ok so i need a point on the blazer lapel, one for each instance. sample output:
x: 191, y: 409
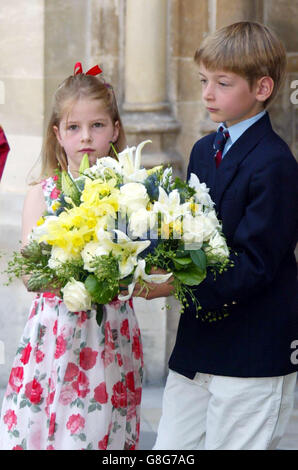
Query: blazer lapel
x: 237, y: 153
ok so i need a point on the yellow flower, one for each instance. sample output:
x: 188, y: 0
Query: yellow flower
x: 56, y: 205
x: 97, y: 190
x: 40, y: 221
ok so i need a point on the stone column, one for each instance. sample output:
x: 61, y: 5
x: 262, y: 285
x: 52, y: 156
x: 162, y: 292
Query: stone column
x: 145, y: 55
x: 147, y: 112
x: 148, y: 115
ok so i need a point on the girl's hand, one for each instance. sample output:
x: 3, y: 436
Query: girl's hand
x: 151, y: 290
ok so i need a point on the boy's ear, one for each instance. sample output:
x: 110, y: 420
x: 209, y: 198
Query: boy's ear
x: 264, y: 88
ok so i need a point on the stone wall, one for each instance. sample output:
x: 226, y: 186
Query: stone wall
x: 159, y: 96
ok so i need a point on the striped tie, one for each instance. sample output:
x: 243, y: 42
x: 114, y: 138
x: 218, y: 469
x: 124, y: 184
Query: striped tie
x: 219, y: 143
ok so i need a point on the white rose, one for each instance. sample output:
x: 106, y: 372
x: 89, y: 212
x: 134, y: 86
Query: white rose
x: 141, y: 221
x: 58, y: 257
x: 133, y: 196
x: 193, y: 230
x: 208, y: 223
x: 76, y: 296
x: 218, y: 246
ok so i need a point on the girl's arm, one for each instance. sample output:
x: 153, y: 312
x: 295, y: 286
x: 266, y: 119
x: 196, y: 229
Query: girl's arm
x: 34, y: 207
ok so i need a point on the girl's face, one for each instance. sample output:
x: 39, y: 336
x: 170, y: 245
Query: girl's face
x: 87, y: 128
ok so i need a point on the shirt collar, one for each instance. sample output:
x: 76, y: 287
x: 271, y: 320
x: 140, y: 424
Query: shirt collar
x: 237, y: 130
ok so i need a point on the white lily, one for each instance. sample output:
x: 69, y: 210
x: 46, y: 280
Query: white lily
x: 140, y: 273
x: 130, y: 163
x: 170, y: 206
x: 127, y: 249
x: 202, y: 192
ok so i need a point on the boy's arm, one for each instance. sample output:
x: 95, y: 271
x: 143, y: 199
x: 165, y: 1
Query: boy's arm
x: 266, y: 232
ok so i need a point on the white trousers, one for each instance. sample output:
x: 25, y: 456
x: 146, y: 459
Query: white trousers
x: 228, y: 413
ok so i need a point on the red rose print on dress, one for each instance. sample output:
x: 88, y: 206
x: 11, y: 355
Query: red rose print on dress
x: 26, y: 354
x: 130, y: 381
x: 119, y: 398
x: 50, y: 298
x: 71, y: 372
x: 82, y: 317
x: 61, y: 344
x: 88, y: 358
x: 103, y: 444
x: 52, y: 424
x: 81, y: 385
x: 75, y: 423
x: 16, y: 378
x: 136, y: 347
x: 39, y: 355
x: 100, y: 393
x: 67, y: 395
x: 34, y: 310
x: 33, y: 391
x: 124, y: 330
x: 55, y: 193
x: 10, y: 418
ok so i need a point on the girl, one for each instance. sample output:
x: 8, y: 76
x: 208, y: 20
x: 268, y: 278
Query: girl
x: 73, y: 384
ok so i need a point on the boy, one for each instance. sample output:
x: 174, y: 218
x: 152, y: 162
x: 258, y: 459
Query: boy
x: 231, y: 382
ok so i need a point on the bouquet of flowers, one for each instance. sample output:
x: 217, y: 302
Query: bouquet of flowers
x: 116, y: 222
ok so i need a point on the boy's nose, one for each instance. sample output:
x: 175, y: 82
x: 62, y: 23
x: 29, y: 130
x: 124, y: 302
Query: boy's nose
x: 208, y: 92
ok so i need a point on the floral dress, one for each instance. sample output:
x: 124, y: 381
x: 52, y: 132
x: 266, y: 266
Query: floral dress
x: 73, y: 384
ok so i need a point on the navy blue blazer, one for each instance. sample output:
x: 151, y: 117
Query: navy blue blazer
x: 255, y: 190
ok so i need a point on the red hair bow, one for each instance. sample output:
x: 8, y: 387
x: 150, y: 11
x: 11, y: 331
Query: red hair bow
x: 93, y: 71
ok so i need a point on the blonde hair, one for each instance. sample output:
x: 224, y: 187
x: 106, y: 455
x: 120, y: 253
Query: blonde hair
x: 69, y: 91
x: 248, y: 49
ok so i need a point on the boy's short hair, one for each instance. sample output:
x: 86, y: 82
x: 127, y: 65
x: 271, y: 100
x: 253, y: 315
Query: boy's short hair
x: 248, y: 49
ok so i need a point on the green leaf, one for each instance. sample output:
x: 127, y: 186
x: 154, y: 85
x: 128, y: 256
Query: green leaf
x: 101, y: 292
x: 199, y: 259
x: 99, y: 313
x: 69, y: 188
x: 191, y: 276
x: 183, y: 261
x: 84, y: 164
x: 92, y: 284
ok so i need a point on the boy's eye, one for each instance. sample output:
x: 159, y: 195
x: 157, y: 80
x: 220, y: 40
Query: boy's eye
x: 223, y: 84
x: 203, y: 80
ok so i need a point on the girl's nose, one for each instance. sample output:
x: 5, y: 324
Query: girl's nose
x: 86, y: 134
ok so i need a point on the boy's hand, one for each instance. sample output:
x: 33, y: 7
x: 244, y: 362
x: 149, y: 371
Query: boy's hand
x: 151, y: 290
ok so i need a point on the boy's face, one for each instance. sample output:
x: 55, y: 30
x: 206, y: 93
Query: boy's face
x: 228, y: 97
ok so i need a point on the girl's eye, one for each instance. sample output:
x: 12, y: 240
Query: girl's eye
x: 223, y: 84
x: 72, y: 127
x: 98, y: 124
x: 203, y: 81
